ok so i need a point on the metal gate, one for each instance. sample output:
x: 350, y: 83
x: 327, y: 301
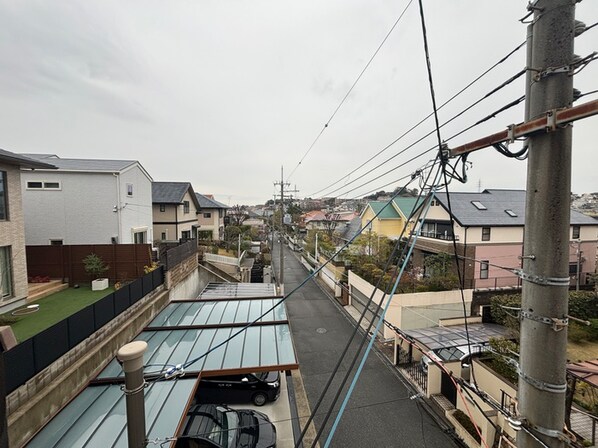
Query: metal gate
x: 448, y: 388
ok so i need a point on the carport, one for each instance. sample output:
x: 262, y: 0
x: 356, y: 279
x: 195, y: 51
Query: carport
x: 181, y: 334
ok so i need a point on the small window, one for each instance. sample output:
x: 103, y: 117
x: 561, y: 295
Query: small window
x: 485, y: 233
x: 479, y: 205
x: 484, y: 265
x: 511, y: 213
x: 139, y: 237
x: 186, y: 207
x: 43, y: 185
x: 575, y: 232
x: 130, y: 190
x: 3, y: 197
x: 572, y: 269
x: 162, y: 207
x: 6, y: 284
x: 56, y: 243
x: 207, y: 215
x: 163, y: 236
x: 35, y: 185
x: 186, y: 234
x: 51, y: 185
x: 435, y: 203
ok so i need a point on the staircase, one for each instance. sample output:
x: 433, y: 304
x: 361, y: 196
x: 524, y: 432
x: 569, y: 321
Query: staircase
x: 40, y: 290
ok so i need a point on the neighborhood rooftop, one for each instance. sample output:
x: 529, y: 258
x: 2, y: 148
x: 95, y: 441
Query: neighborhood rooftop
x: 169, y: 192
x: 495, y: 208
x: 23, y: 161
x: 82, y: 164
x: 207, y: 202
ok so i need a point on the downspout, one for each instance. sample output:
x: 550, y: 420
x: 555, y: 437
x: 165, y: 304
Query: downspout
x: 118, y: 209
x: 176, y: 222
x: 465, y: 256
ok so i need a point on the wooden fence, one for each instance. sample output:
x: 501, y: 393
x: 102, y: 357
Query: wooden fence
x: 125, y: 261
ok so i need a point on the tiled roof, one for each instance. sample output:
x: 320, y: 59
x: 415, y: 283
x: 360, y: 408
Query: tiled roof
x: 22, y: 160
x: 170, y: 192
x: 82, y: 164
x: 209, y: 202
x: 493, y: 209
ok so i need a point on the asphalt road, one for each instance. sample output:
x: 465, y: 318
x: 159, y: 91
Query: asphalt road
x: 380, y: 412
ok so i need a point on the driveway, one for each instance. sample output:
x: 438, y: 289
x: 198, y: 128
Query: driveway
x: 380, y: 412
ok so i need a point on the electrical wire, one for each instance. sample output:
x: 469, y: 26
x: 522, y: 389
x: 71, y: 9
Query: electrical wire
x: 471, y: 83
x: 388, y: 159
x: 351, y: 89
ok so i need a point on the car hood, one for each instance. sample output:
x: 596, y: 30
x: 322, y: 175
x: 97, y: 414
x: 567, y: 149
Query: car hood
x: 256, y: 430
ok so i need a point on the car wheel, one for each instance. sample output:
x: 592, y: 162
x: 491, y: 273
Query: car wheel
x: 259, y: 399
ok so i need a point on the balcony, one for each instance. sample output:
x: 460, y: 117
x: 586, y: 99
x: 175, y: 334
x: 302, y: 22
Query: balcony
x: 439, y: 236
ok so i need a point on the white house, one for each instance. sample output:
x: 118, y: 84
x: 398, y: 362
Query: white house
x: 87, y: 201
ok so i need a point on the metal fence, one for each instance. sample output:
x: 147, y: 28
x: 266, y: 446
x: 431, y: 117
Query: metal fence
x: 176, y: 255
x: 31, y: 356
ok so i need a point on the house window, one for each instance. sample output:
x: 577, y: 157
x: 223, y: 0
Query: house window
x: 3, y: 197
x: 484, y: 265
x: 435, y: 203
x: 56, y: 243
x: 576, y: 232
x: 5, y: 272
x: 573, y: 269
x: 220, y: 213
x: 207, y: 215
x: 43, y: 185
x: 186, y: 234
x: 186, y: 207
x: 162, y: 207
x: 485, y: 233
x: 130, y: 190
x: 139, y: 237
x: 163, y: 236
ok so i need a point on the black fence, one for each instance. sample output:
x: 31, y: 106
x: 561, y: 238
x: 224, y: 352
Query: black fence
x: 30, y: 357
x: 173, y: 257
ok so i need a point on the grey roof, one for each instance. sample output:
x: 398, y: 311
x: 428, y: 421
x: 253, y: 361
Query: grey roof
x: 496, y: 203
x: 238, y: 290
x: 99, y: 165
x: 352, y: 229
x: 172, y: 192
x: 206, y: 202
x: 96, y: 417
x: 22, y: 161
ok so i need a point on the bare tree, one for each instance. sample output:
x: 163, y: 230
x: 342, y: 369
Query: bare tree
x: 238, y: 214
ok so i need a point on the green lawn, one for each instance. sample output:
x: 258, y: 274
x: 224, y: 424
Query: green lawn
x: 54, y: 308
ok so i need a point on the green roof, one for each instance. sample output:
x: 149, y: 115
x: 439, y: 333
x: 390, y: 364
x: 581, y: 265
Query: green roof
x: 406, y: 205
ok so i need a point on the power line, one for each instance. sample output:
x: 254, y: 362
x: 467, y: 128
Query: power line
x: 493, y: 115
x: 500, y: 61
x: 350, y: 89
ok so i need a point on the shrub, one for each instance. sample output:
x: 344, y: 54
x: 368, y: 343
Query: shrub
x: 467, y: 424
x: 94, y: 265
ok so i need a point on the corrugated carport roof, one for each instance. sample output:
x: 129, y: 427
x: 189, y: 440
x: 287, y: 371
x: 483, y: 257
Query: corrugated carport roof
x: 97, y: 416
x: 455, y: 336
x: 586, y: 371
x: 182, y: 332
x: 238, y: 290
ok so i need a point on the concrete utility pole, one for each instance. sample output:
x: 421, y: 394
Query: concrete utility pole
x: 542, y: 377
x: 282, y: 184
x: 131, y: 357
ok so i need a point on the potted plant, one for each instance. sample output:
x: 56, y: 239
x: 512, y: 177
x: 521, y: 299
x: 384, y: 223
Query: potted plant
x: 95, y: 266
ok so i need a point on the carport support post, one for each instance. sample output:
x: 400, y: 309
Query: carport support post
x: 131, y: 357
x: 543, y: 355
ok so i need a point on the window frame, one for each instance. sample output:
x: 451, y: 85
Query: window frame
x: 129, y: 190
x: 5, y: 211
x: 186, y: 207
x: 11, y: 287
x: 575, y: 232
x: 484, y: 269
x: 44, y: 185
x: 209, y: 215
x: 162, y: 207
x: 486, y: 235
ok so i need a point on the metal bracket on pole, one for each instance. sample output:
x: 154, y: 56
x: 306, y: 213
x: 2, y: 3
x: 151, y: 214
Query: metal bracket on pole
x: 510, y: 133
x: 136, y: 390
x: 542, y: 385
x: 556, y: 323
x: 553, y: 433
x: 546, y: 281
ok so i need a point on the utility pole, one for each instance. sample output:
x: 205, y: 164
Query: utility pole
x: 282, y: 184
x: 316, y: 254
x: 542, y: 376
x: 578, y: 253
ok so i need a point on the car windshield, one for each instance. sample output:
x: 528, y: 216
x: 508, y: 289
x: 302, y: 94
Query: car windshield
x: 261, y: 375
x: 224, y: 428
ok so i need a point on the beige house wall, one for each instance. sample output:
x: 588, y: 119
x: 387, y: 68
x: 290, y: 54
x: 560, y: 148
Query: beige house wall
x: 417, y: 310
x: 390, y: 228
x: 12, y: 234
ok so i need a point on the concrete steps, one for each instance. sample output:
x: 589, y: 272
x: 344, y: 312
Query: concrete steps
x: 40, y: 290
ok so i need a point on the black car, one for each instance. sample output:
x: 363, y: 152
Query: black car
x: 258, y: 388
x: 218, y: 426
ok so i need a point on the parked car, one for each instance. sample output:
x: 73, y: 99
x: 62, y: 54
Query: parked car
x: 218, y: 426
x: 257, y: 388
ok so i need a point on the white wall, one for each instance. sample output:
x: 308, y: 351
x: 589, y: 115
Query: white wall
x: 81, y: 212
x: 136, y: 210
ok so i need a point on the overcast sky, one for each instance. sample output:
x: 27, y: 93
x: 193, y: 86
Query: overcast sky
x: 223, y: 93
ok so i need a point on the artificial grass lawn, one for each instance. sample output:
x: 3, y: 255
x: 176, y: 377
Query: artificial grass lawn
x: 54, y: 308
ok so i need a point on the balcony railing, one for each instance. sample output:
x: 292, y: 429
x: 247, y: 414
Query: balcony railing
x: 439, y: 236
